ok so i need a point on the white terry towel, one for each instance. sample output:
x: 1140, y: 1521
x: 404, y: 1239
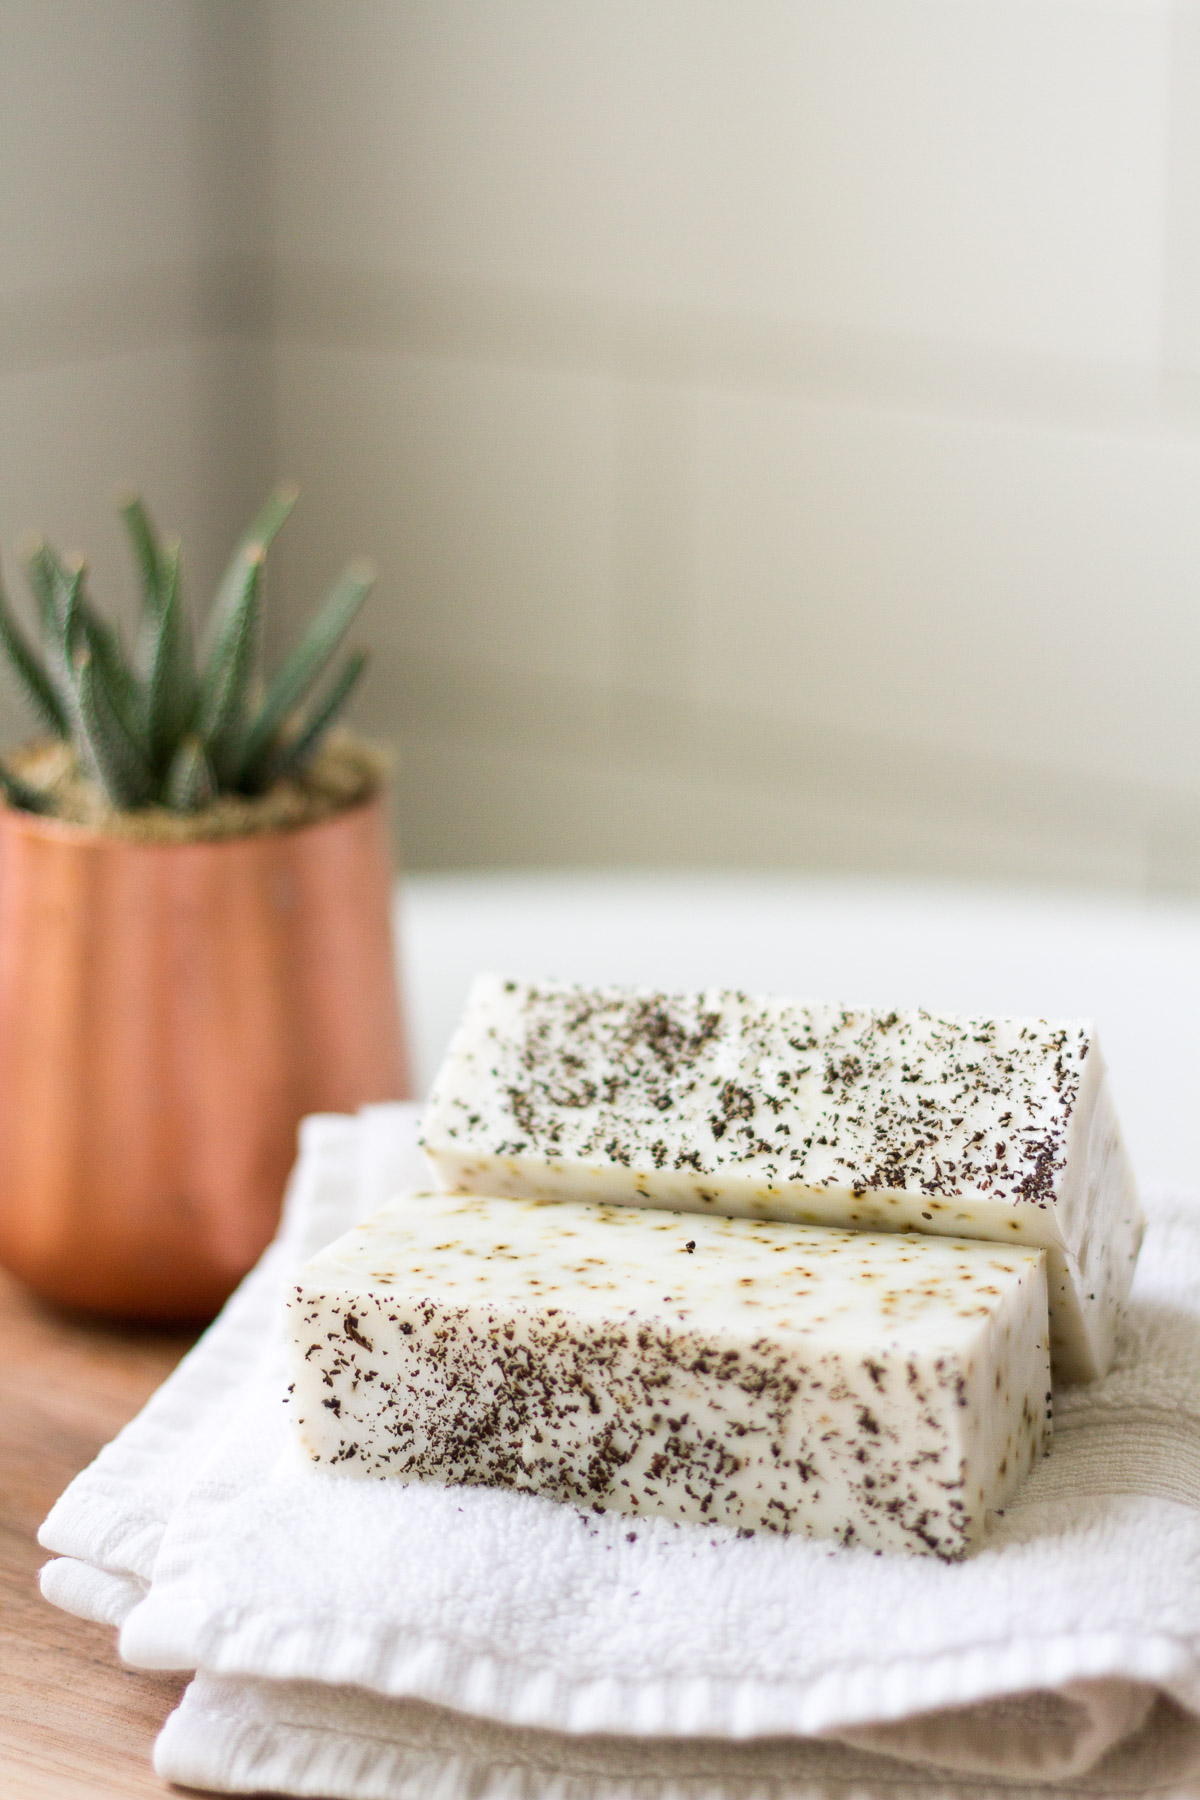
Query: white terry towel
x: 334, y: 1621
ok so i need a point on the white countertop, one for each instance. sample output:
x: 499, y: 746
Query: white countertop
x: 1132, y: 966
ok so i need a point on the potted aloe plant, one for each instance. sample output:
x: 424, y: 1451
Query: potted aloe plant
x: 195, y: 944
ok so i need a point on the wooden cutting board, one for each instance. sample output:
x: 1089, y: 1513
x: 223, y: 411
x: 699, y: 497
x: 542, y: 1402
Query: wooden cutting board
x: 74, y: 1724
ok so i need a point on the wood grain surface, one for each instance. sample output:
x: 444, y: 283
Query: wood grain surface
x: 74, y: 1724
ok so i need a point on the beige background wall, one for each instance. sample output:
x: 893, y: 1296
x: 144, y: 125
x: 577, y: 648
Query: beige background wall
x: 776, y: 421
x: 133, y: 319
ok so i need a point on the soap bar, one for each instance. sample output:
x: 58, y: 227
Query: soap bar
x: 1001, y: 1129
x: 881, y: 1390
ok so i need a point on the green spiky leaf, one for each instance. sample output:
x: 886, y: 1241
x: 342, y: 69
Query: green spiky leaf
x: 191, y: 783
x: 69, y: 623
x: 258, y: 537
x: 171, y: 696
x: 291, y: 757
x: 124, y: 689
x: 154, y: 573
x: 118, y: 759
x: 49, y: 582
x: 231, y: 637
x: 147, y: 551
x: 299, y: 671
x: 58, y: 592
x: 225, y: 685
x: 32, y: 672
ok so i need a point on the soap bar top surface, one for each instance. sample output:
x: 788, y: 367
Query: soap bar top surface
x: 811, y: 1094
x: 759, y: 1278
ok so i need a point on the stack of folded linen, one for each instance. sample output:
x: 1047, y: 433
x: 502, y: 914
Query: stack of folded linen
x: 379, y: 1638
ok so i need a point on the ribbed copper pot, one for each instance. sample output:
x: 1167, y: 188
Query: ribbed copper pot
x: 168, y: 1014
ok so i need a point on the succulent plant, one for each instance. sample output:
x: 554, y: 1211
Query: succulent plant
x: 158, y: 728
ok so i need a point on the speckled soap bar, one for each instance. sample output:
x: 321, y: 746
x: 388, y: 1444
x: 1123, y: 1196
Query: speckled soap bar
x: 882, y: 1390
x: 1001, y: 1129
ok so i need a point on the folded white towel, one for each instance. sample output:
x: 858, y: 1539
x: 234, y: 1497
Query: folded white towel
x: 201, y: 1531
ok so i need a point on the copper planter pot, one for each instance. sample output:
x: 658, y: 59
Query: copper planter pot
x: 168, y: 1014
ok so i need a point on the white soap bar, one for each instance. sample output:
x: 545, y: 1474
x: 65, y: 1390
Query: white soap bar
x: 882, y: 1390
x: 1000, y: 1129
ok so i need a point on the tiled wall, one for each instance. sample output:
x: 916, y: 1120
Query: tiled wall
x: 777, y: 421
x: 133, y: 320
